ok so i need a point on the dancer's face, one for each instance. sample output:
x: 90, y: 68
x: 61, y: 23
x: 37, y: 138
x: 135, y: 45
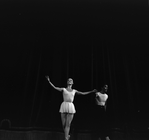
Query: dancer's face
x: 70, y: 81
x: 106, y: 88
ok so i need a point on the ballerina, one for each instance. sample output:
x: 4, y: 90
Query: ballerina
x: 67, y: 108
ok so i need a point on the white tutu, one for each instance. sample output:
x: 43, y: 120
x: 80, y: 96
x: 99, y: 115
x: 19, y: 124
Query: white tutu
x: 67, y: 107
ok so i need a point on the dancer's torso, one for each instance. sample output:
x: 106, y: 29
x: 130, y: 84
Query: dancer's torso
x: 101, y: 98
x: 68, y: 96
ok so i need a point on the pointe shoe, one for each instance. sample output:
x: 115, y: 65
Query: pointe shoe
x: 107, y: 138
x: 67, y: 138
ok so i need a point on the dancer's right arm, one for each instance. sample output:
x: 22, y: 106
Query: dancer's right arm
x: 57, y: 88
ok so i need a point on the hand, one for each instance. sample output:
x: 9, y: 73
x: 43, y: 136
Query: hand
x: 47, y: 78
x: 95, y: 90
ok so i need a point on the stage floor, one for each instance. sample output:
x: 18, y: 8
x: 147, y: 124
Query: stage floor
x: 55, y: 135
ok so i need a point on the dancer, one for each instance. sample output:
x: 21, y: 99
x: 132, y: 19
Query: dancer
x: 101, y: 97
x: 67, y: 108
x: 101, y: 101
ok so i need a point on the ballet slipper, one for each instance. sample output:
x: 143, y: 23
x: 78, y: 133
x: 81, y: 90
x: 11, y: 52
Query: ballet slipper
x: 107, y: 138
x: 67, y: 138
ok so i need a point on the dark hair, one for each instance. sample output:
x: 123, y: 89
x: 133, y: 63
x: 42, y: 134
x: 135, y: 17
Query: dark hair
x: 103, y: 90
x: 105, y: 86
x: 70, y: 79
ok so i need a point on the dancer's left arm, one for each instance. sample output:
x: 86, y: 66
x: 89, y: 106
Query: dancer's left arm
x: 105, y: 106
x: 85, y: 93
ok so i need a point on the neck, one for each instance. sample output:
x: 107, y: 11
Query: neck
x: 102, y: 91
x: 69, y: 86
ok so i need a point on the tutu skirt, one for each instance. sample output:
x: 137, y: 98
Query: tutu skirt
x: 67, y: 107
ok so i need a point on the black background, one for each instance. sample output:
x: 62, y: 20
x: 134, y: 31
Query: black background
x: 94, y: 42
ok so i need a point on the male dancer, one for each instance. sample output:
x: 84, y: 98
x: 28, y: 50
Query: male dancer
x: 101, y: 101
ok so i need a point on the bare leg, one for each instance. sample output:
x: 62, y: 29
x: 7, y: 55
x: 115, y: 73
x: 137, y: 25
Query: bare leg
x: 69, y: 119
x: 63, y: 118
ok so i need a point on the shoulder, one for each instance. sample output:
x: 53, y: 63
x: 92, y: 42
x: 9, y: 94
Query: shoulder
x: 98, y: 93
x: 63, y: 89
x: 74, y: 90
x: 106, y: 95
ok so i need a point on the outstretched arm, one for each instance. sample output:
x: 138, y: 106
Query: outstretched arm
x: 105, y: 106
x: 85, y: 93
x: 57, y: 88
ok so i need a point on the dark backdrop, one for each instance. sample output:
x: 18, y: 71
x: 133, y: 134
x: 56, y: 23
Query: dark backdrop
x: 93, y: 42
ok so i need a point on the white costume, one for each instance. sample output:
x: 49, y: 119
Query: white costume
x: 67, y: 105
x: 101, y: 98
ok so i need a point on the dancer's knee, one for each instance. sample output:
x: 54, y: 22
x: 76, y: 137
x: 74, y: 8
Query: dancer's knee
x: 67, y: 124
